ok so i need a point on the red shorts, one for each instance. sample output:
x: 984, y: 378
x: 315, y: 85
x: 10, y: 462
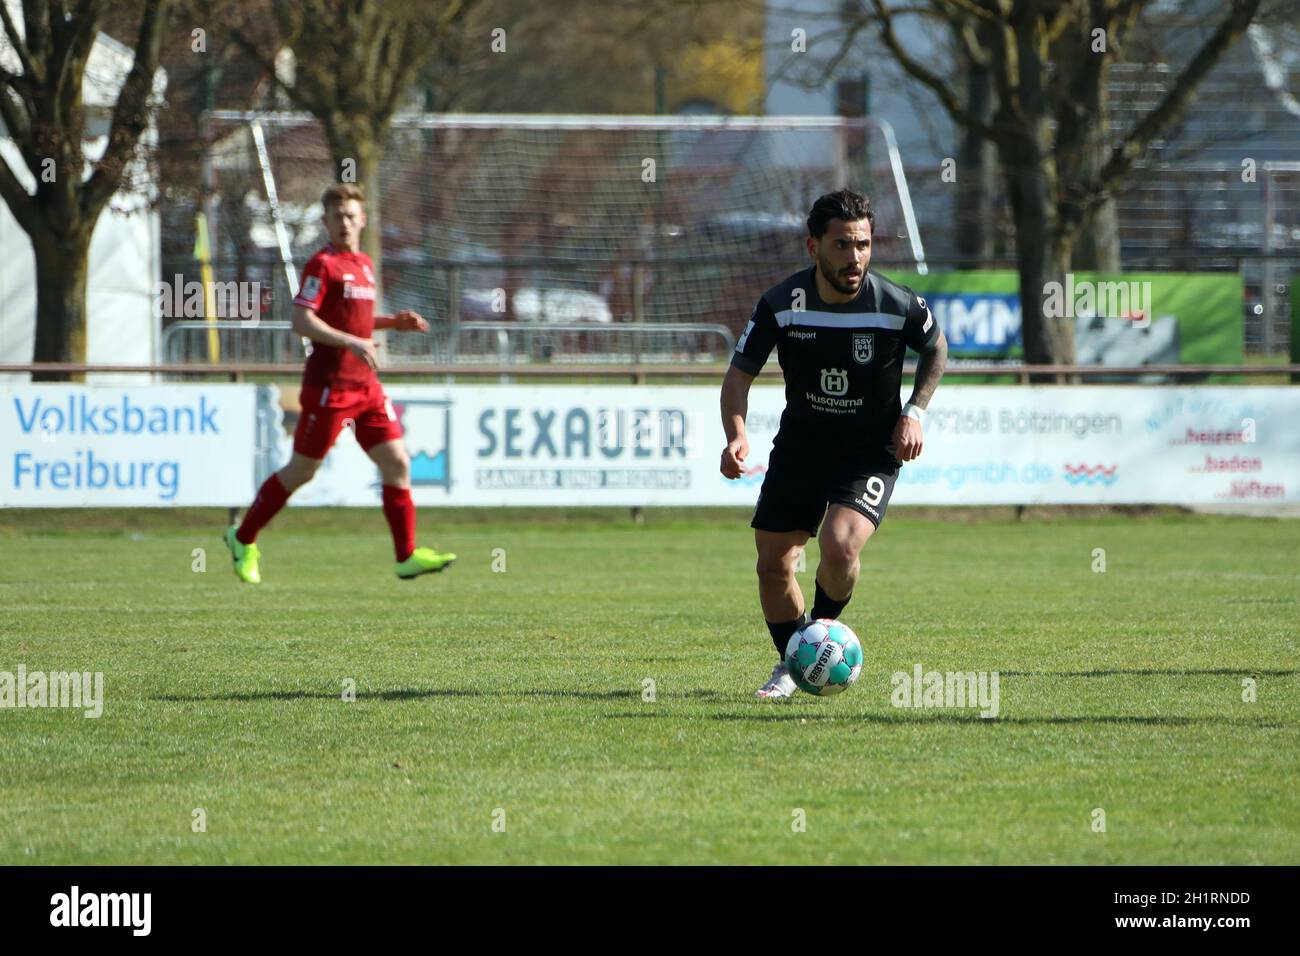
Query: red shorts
x: 326, y: 412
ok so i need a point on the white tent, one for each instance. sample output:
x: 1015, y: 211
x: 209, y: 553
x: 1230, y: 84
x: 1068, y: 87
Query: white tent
x: 125, y: 253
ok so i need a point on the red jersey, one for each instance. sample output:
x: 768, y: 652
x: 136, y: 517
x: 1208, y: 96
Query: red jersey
x: 340, y: 288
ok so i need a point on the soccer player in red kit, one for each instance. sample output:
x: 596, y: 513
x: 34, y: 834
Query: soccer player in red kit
x: 335, y: 309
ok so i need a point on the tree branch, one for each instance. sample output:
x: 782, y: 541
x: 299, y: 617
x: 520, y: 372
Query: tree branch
x: 18, y: 127
x: 130, y: 112
x: 416, y: 49
x: 19, y: 43
x: 978, y: 55
x: 1070, y: 12
x: 20, y: 202
x: 1175, y: 101
x: 973, y: 9
x: 232, y: 31
x: 941, y: 88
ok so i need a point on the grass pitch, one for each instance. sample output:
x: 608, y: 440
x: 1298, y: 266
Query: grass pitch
x: 499, y: 714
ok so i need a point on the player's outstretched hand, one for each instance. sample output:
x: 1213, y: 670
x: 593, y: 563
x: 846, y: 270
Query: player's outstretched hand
x: 733, y: 457
x: 907, y: 438
x: 364, y: 349
x: 408, y: 321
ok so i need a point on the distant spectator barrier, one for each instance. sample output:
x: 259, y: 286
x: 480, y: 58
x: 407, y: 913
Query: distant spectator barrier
x: 470, y: 343
x: 561, y: 445
x: 644, y: 445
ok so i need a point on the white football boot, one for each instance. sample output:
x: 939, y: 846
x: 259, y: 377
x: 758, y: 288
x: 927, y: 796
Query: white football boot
x: 780, y: 684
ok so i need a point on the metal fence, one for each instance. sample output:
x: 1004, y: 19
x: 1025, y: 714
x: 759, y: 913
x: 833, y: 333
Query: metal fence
x: 465, y: 343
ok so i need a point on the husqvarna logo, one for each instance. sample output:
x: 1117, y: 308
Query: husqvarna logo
x: 835, y: 381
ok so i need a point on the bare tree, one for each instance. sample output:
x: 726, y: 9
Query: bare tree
x: 355, y: 62
x: 42, y: 110
x: 1050, y: 61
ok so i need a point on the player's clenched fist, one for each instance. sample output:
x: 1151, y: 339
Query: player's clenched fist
x: 733, y: 457
x: 907, y: 438
x: 408, y: 321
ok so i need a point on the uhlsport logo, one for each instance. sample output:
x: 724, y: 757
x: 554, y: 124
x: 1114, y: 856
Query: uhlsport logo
x: 864, y: 347
x: 835, y: 381
x: 427, y: 425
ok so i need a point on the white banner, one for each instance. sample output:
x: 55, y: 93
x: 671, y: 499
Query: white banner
x: 1107, y: 445
x: 163, y: 445
x: 547, y: 445
x: 627, y: 445
x: 71, y: 445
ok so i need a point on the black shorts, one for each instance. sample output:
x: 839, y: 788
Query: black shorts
x: 801, y: 484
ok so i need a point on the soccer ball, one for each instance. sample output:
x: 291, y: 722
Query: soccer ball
x: 824, y: 657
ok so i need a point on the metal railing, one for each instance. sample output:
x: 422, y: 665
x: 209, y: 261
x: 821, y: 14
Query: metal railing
x: 467, y: 343
x: 189, y: 341
x: 1061, y: 374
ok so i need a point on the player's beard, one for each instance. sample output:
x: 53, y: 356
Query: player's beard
x: 839, y: 282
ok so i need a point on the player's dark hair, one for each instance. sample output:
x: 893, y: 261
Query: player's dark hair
x: 844, y: 204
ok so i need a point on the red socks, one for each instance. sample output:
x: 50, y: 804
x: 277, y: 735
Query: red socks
x: 399, y: 509
x: 270, y: 499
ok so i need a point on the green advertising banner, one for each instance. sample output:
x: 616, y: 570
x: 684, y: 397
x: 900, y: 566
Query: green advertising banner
x: 1120, y: 318
x: 1294, y: 287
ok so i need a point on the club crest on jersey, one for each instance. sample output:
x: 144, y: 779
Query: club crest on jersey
x: 835, y: 381
x: 864, y: 347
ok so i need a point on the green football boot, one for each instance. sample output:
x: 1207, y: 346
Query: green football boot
x: 423, y: 561
x: 245, y: 556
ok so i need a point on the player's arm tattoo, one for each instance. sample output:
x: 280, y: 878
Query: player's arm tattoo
x: 929, y: 369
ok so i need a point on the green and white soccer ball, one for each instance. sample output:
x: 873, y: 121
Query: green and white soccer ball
x: 824, y: 657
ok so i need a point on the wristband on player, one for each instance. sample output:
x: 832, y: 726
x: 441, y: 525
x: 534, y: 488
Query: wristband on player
x: 914, y: 411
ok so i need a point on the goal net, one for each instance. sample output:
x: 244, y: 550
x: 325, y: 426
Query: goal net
x: 570, y: 226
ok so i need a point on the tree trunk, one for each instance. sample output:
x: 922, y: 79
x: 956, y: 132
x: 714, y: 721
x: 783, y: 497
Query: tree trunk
x: 1060, y: 253
x: 1027, y: 190
x: 975, y: 212
x: 1097, y: 248
x: 62, y: 266
x: 1042, y: 254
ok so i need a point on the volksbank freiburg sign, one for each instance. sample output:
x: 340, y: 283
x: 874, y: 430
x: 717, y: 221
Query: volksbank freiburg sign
x: 75, y: 445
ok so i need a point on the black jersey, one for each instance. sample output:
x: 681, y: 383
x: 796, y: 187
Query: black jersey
x: 843, y: 362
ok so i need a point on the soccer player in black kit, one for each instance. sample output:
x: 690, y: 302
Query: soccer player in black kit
x: 840, y: 333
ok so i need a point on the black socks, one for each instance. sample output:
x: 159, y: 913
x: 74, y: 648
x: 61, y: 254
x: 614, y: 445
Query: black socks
x: 781, y: 633
x: 826, y: 606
